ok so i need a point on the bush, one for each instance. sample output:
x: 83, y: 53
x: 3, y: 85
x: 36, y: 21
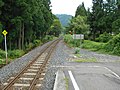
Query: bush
x: 37, y: 43
x: 113, y: 46
x: 2, y: 54
x: 105, y: 37
x: 15, y: 54
x: 70, y: 41
x: 29, y: 47
x: 92, y: 45
x: 87, y: 44
x: 77, y: 50
x: 48, y: 38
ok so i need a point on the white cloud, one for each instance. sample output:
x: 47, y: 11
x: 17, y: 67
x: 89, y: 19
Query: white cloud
x: 68, y: 6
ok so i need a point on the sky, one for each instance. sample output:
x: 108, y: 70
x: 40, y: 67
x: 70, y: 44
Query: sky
x: 68, y: 6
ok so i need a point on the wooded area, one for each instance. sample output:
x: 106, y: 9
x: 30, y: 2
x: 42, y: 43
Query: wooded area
x: 25, y: 21
x: 104, y: 17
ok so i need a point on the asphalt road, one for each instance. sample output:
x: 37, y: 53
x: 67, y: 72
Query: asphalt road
x: 93, y: 76
x: 102, y: 75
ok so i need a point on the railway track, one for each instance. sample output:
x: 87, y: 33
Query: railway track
x: 32, y: 75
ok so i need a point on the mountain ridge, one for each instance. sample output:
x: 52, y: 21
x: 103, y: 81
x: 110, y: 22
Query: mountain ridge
x: 64, y: 19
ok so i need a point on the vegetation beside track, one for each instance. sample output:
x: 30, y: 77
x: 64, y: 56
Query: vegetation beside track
x: 13, y: 54
x: 111, y: 47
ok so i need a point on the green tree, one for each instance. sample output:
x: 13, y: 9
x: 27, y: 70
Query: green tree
x: 55, y: 28
x: 25, y: 21
x: 1, y: 36
x: 102, y: 16
x: 116, y: 26
x: 1, y: 26
x: 79, y: 25
x: 1, y: 4
x: 81, y: 10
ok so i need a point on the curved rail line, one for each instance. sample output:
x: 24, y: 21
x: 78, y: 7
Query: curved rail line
x: 31, y: 76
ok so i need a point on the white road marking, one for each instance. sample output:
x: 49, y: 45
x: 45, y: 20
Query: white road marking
x: 73, y: 81
x: 112, y: 72
x: 107, y: 69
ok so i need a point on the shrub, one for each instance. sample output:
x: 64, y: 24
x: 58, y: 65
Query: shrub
x: 29, y: 46
x: 87, y: 44
x: 113, y: 46
x: 48, y: 38
x: 15, y: 54
x: 68, y: 38
x: 2, y: 61
x: 105, y: 37
x: 77, y: 50
x: 70, y: 41
x: 92, y: 45
x: 2, y: 54
x: 37, y: 43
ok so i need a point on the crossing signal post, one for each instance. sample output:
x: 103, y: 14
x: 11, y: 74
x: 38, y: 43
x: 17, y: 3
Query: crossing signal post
x: 5, y: 33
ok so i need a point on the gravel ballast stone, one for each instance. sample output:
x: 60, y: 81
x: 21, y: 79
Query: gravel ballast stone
x: 99, y: 57
x: 14, y: 67
x: 58, y: 58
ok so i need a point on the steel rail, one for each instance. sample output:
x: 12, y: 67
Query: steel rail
x: 35, y: 80
x: 11, y: 83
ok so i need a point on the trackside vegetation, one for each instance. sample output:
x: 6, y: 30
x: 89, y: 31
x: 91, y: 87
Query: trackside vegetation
x: 111, y: 47
x: 13, y: 54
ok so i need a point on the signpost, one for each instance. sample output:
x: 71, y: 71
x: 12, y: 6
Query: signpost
x: 79, y: 36
x: 5, y: 33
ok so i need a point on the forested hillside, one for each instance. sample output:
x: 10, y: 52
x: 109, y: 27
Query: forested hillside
x: 64, y: 19
x: 25, y: 21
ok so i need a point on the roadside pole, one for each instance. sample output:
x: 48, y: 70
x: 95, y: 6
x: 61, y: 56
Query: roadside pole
x: 5, y: 33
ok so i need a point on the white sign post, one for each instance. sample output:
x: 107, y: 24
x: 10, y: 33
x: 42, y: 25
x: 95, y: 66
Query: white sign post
x: 79, y: 36
x: 4, y: 33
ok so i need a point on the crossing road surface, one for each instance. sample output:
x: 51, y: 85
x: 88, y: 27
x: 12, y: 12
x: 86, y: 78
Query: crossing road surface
x: 92, y: 77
